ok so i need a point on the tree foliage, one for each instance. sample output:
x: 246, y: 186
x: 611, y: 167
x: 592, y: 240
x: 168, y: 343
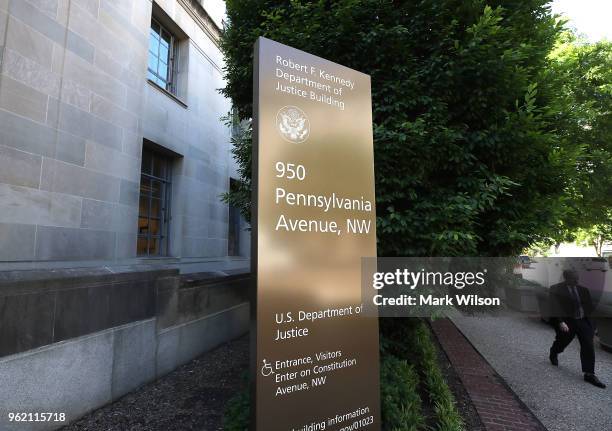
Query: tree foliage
x: 583, y: 74
x: 596, y: 236
x: 469, y: 157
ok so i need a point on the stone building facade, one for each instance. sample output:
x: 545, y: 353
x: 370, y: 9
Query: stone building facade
x: 118, y: 259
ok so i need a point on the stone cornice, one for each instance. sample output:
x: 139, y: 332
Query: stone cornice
x: 201, y: 17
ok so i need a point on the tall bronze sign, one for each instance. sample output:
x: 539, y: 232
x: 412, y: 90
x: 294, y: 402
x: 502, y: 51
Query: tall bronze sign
x: 315, y: 353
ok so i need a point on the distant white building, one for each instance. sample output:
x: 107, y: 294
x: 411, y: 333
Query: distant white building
x: 571, y: 249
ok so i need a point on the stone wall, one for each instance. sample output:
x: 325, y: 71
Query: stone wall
x: 74, y: 340
x: 75, y: 106
x: 90, y: 321
x: 71, y: 91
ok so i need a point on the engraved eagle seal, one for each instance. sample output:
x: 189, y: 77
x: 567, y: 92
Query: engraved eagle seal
x: 293, y: 124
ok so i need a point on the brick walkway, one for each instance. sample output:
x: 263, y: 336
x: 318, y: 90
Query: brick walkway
x: 496, y: 404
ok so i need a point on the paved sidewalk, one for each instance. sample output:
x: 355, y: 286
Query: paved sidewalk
x: 497, y: 406
x: 517, y: 346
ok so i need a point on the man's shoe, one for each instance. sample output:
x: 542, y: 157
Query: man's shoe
x: 592, y: 379
x: 553, y: 358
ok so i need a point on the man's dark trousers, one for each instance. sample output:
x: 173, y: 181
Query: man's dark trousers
x: 583, y: 329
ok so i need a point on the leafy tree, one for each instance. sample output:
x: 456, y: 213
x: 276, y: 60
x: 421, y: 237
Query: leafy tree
x: 583, y: 72
x: 596, y: 236
x: 468, y: 157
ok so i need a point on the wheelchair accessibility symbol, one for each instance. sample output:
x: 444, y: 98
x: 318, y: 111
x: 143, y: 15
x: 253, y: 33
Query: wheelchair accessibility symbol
x: 266, y: 370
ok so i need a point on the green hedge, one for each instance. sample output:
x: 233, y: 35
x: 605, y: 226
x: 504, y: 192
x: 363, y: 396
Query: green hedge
x: 237, y: 413
x: 411, y: 338
x: 401, y: 404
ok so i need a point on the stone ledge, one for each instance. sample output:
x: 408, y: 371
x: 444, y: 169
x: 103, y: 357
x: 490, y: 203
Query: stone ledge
x: 33, y: 281
x: 213, y: 277
x: 49, y: 306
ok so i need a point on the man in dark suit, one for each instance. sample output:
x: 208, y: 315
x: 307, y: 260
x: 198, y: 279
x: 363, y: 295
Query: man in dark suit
x: 571, y: 306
